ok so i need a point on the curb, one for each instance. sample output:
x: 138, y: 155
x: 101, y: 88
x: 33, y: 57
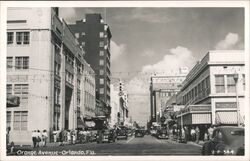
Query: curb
x: 192, y: 143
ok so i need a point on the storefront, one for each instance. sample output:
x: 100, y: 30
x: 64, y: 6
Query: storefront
x: 195, y: 115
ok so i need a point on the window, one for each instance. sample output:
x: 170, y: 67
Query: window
x: 20, y: 120
x: 8, y: 119
x: 244, y: 81
x: 219, y: 84
x: 9, y: 63
x: 78, y: 84
x: 22, y: 90
x: 9, y: 89
x: 101, y: 72
x: 22, y: 38
x: 231, y: 86
x: 69, y: 77
x: 101, y: 62
x: 57, y: 68
x: 101, y: 53
x: 10, y: 36
x: 101, y: 34
x: 77, y: 35
x: 22, y: 62
x: 101, y: 44
x: 101, y: 81
x: 101, y: 90
x: 57, y: 96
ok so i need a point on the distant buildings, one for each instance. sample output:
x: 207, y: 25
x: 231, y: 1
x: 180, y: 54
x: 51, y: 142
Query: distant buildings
x: 94, y: 37
x: 163, y: 88
x: 47, y: 70
x: 214, y: 90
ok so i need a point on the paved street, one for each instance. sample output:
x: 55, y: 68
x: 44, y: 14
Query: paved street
x: 146, y: 145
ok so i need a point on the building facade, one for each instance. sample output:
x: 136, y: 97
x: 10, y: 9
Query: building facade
x: 94, y: 36
x: 213, y: 92
x: 115, y: 105
x: 45, y: 69
x: 163, y: 88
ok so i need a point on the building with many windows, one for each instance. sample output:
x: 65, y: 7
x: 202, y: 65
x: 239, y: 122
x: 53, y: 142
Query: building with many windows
x: 163, y: 88
x: 94, y: 36
x: 45, y: 69
x: 214, y: 90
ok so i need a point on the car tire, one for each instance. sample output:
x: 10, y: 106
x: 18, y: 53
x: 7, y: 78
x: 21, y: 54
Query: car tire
x: 206, y: 150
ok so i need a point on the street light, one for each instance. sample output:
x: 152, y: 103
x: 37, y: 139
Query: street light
x: 236, y: 78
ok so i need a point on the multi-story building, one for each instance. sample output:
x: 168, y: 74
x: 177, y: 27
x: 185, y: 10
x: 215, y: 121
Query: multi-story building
x: 89, y: 108
x: 213, y: 92
x: 161, y: 89
x: 45, y: 69
x: 115, y: 105
x: 94, y: 35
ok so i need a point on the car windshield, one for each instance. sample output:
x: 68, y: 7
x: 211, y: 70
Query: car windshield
x: 238, y: 132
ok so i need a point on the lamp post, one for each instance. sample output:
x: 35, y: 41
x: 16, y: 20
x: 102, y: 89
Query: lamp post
x: 236, y: 78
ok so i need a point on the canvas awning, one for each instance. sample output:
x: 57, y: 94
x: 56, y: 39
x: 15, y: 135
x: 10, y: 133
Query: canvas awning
x: 227, y: 117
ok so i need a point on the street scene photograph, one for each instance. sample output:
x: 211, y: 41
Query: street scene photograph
x: 126, y: 81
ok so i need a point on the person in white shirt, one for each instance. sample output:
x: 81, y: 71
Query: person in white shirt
x: 34, y: 138
x: 39, y: 138
x: 44, y: 137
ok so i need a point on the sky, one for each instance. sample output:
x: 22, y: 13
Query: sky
x: 149, y: 40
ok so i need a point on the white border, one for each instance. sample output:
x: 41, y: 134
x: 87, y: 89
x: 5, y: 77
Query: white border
x: 5, y: 4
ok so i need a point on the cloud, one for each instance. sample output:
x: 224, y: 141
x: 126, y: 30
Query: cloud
x: 229, y: 42
x: 68, y: 14
x: 149, y: 15
x: 117, y: 50
x: 178, y: 57
x: 148, y: 53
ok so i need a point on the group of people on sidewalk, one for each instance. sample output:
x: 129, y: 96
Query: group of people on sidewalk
x: 193, y: 133
x: 39, y: 138
x: 66, y: 137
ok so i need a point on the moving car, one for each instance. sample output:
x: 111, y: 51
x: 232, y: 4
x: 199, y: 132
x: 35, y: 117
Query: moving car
x: 122, y: 132
x: 139, y: 133
x: 162, y: 134
x: 226, y: 140
x: 107, y: 135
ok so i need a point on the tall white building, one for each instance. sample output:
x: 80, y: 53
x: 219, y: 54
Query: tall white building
x: 45, y: 68
x: 114, y: 104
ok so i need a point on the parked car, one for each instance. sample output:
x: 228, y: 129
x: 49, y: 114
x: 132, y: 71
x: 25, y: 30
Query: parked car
x: 226, y: 140
x: 122, y: 132
x: 139, y: 133
x: 162, y: 134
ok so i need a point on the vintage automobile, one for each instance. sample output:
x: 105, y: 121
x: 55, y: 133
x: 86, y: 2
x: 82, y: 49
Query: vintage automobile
x: 122, y: 132
x: 107, y: 135
x: 139, y: 133
x: 226, y: 140
x: 162, y: 134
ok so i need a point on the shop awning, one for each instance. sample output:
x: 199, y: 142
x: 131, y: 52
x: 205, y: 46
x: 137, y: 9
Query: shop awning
x: 201, y: 118
x: 227, y: 117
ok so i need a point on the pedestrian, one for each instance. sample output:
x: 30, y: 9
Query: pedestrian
x: 44, y: 137
x: 210, y: 132
x: 38, y: 137
x: 68, y: 136
x: 34, y: 138
x: 186, y: 134
x: 197, y: 133
x: 61, y: 139
x: 192, y: 133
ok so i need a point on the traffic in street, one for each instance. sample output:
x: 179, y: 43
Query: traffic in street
x: 146, y: 145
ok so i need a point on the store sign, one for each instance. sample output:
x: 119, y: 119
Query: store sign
x: 225, y: 105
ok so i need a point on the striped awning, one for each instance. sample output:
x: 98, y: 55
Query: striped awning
x: 227, y: 117
x: 201, y: 118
